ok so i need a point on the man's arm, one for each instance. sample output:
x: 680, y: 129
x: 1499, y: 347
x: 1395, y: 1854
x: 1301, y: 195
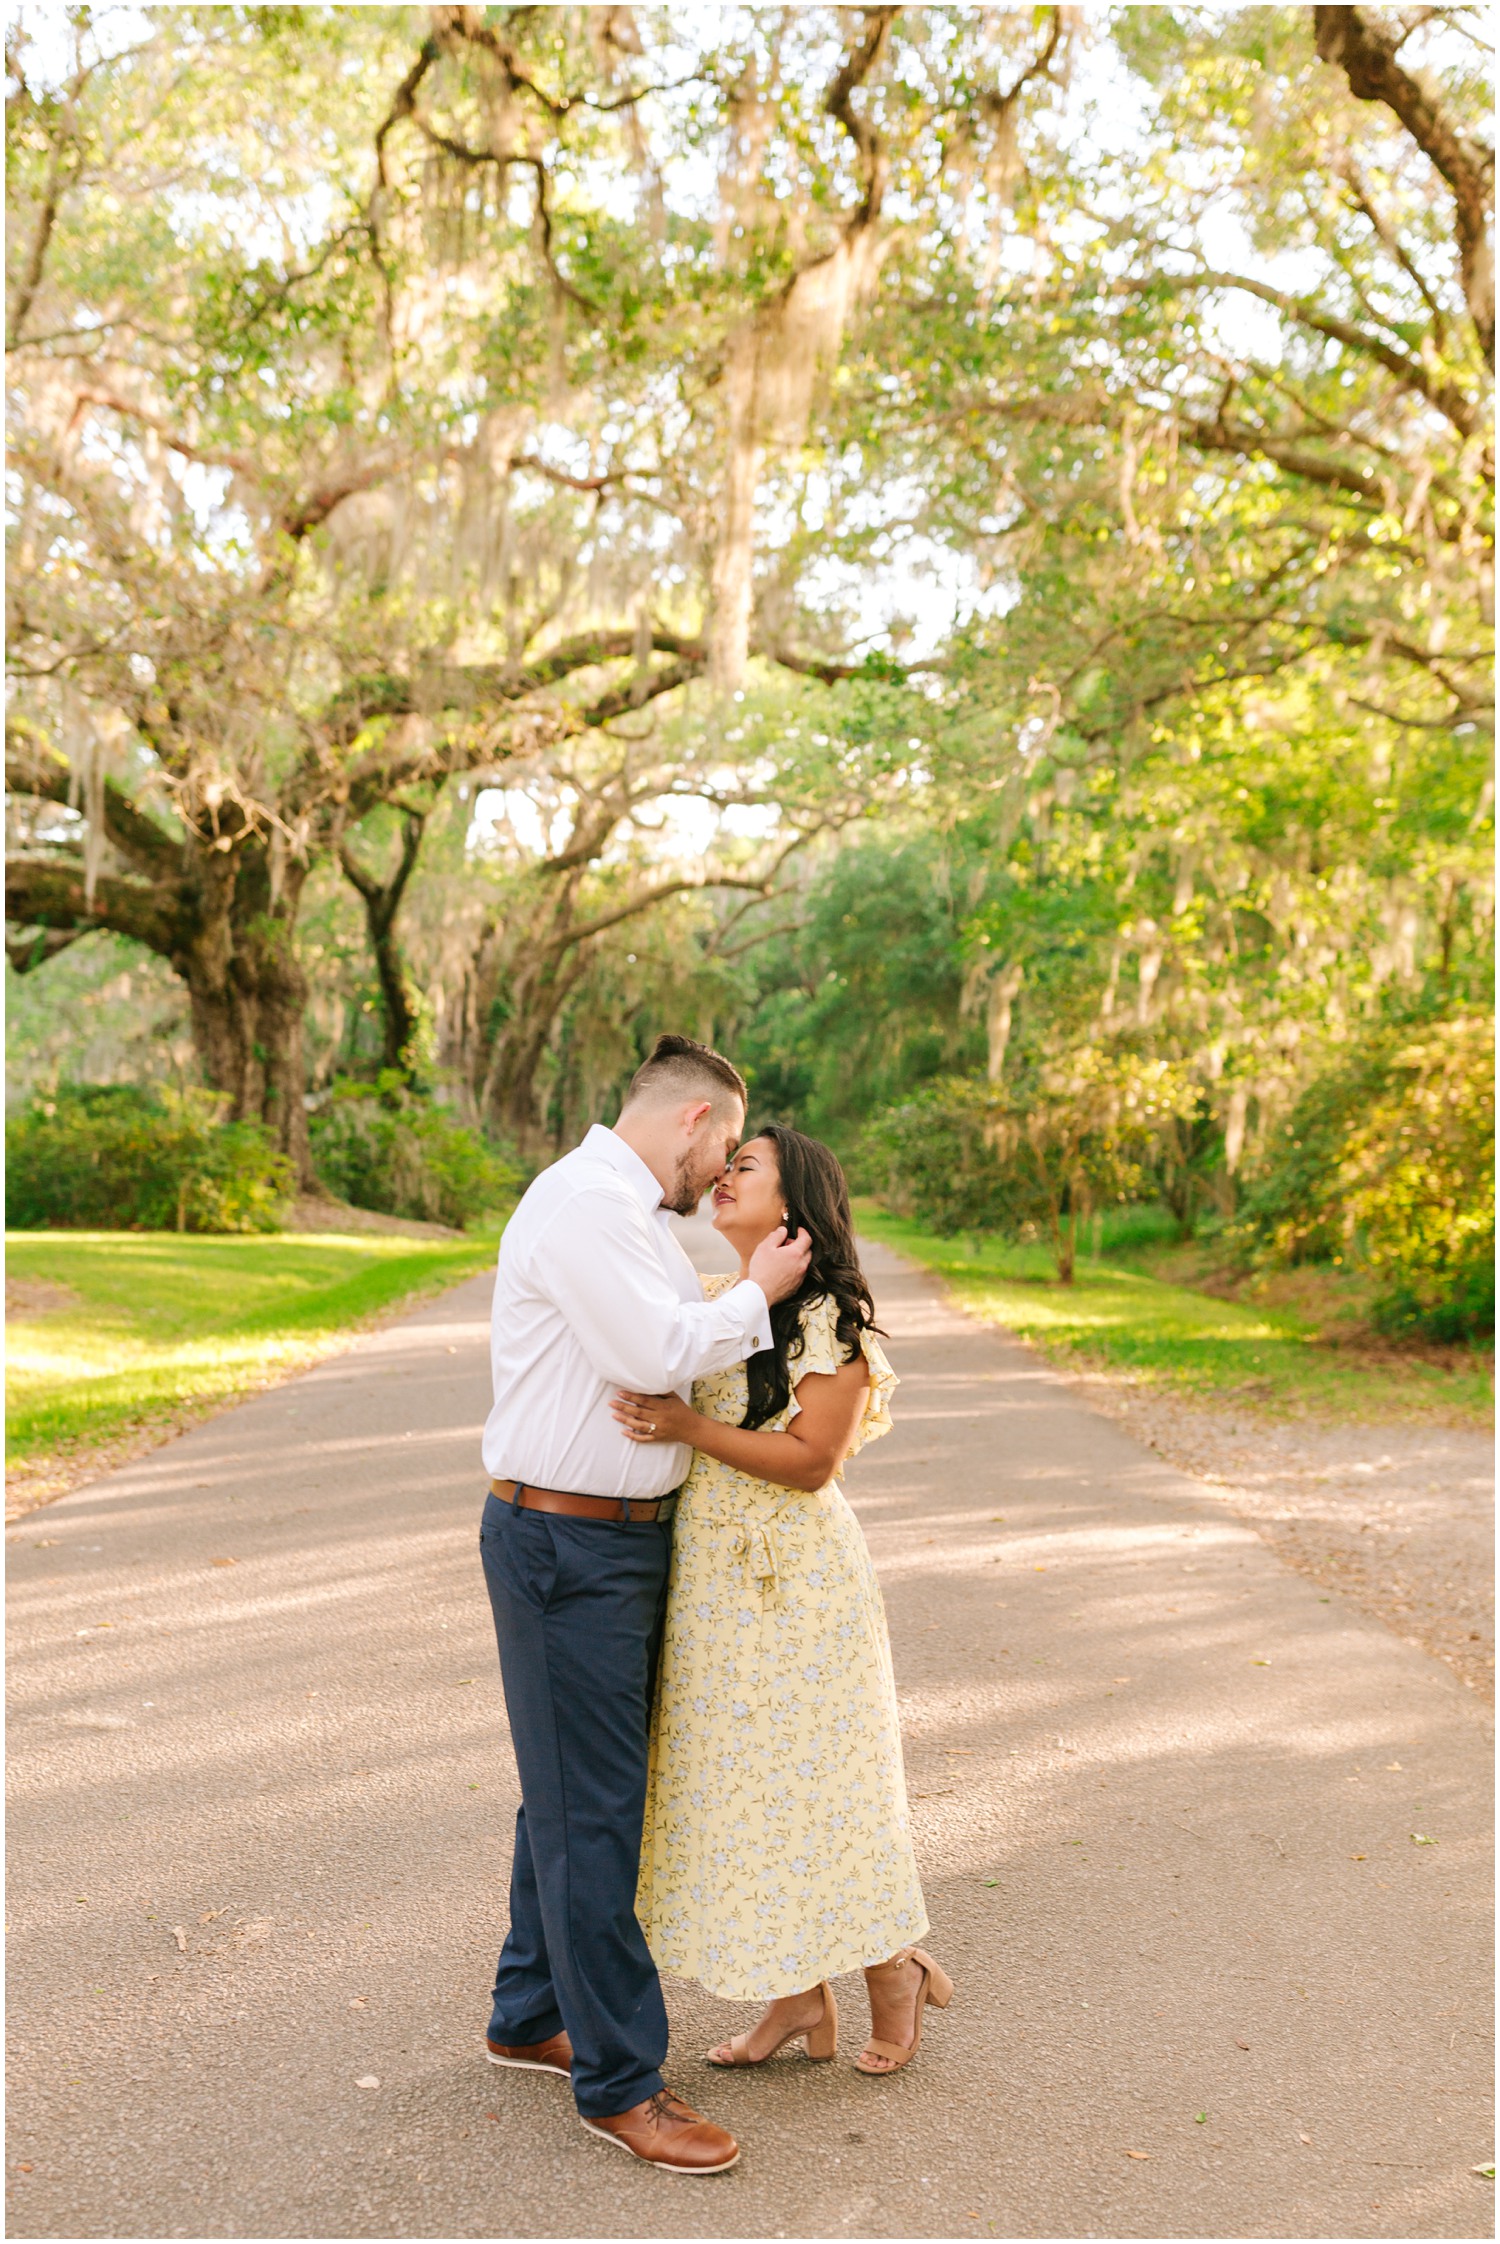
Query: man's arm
x: 598, y: 1264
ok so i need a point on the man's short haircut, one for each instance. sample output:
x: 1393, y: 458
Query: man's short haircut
x: 680, y: 1069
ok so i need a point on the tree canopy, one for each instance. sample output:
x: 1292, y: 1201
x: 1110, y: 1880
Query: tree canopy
x: 955, y: 543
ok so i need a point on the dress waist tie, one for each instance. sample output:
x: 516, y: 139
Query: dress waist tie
x: 756, y: 1545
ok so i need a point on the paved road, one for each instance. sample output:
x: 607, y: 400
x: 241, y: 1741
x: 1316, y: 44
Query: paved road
x: 1165, y: 1794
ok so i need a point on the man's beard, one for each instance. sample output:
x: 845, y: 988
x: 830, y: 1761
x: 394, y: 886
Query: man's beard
x: 688, y: 1186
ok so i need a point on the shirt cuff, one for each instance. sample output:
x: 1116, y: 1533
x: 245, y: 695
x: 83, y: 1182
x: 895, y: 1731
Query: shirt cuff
x: 754, y: 1312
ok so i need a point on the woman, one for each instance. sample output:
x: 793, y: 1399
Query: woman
x: 776, y: 1850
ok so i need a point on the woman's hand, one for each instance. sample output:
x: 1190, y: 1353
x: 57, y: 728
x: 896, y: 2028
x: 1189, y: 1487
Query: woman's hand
x: 654, y: 1417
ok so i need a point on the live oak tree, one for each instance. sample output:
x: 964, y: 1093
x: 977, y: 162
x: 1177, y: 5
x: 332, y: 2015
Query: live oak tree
x: 507, y: 375
x: 360, y: 441
x: 224, y: 663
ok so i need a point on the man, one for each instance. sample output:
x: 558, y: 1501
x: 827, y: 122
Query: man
x: 594, y: 1293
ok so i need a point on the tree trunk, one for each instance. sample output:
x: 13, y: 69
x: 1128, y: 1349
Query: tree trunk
x: 508, y: 1097
x: 248, y: 993
x: 400, y: 1005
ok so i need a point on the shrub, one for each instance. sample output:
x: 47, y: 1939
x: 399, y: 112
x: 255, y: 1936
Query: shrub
x: 1387, y: 1161
x: 933, y: 1156
x: 970, y: 1156
x: 112, y: 1157
x: 386, y: 1147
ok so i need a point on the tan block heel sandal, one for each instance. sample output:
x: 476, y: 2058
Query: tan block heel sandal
x: 822, y: 2039
x: 936, y: 1988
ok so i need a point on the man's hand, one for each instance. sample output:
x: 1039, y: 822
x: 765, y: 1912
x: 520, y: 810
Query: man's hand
x: 779, y: 1264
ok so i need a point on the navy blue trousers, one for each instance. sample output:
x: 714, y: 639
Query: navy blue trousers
x: 578, y: 1607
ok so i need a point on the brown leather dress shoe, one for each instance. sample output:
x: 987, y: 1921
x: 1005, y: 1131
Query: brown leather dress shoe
x: 555, y: 2055
x: 666, y: 2132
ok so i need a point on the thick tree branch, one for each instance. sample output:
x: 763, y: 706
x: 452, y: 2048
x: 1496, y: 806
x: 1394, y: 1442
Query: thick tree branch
x: 400, y: 1006
x: 34, y: 767
x: 1449, y: 399
x: 296, y: 515
x: 468, y: 25
x: 31, y: 280
x: 404, y: 103
x: 473, y: 158
x: 874, y: 162
x: 1363, y: 44
x: 49, y: 893
x: 33, y: 948
x: 621, y: 700
x: 1224, y: 435
x: 581, y: 930
x: 384, y: 896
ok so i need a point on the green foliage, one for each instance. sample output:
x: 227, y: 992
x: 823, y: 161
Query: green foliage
x: 1032, y: 1161
x: 386, y: 1147
x: 865, y: 1002
x: 95, y: 1155
x: 934, y: 1157
x: 104, y: 1011
x: 1387, y: 1161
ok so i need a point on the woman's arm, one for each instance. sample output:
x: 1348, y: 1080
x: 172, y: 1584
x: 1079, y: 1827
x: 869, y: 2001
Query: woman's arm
x: 806, y: 1456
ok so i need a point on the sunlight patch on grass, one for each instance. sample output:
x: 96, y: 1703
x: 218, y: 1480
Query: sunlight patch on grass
x: 1136, y: 1327
x: 162, y: 1327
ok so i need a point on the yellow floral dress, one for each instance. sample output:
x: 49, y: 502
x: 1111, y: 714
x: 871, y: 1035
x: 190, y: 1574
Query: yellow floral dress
x: 776, y: 1849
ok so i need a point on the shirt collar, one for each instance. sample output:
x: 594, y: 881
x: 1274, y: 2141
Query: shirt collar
x: 606, y: 1145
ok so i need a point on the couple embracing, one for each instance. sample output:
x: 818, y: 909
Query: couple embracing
x: 692, y: 1642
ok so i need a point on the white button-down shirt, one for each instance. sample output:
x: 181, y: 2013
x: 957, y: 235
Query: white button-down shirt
x: 593, y: 1293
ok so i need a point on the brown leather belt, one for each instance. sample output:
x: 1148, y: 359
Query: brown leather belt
x: 620, y: 1509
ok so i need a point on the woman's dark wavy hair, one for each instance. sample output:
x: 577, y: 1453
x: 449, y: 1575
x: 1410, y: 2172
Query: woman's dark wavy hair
x: 816, y: 1199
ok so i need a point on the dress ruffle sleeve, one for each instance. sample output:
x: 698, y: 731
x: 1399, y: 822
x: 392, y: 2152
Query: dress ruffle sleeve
x: 823, y: 1352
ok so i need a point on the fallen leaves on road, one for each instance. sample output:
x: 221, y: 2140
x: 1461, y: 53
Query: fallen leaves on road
x: 1138, y: 2154
x: 1420, y: 1839
x: 1486, y: 2173
x: 368, y: 2080
x: 180, y: 1937
x: 1305, y: 2139
x: 223, y: 1562
x: 1241, y: 2044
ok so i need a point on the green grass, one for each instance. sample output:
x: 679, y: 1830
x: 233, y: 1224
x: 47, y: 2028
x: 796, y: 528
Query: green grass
x: 166, y: 1327
x: 1120, y: 1319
